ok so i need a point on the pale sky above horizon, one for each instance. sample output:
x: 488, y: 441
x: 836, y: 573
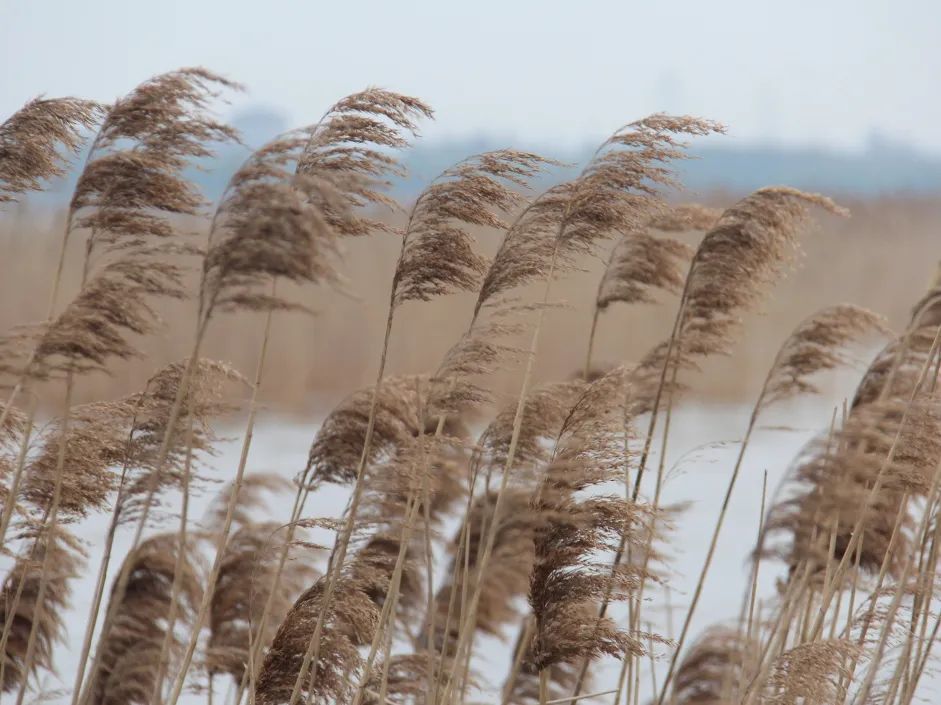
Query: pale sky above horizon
x: 831, y: 73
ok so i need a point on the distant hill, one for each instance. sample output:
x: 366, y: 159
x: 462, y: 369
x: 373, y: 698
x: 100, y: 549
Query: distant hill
x: 883, y: 168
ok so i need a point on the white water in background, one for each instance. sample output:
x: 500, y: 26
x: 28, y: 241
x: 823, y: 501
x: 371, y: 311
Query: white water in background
x: 699, y: 476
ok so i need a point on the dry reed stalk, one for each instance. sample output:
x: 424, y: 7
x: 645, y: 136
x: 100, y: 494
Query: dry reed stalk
x: 31, y: 630
x: 741, y: 256
x: 31, y: 139
x: 617, y: 191
x: 888, y: 439
x: 898, y: 593
x: 125, y: 196
x: 472, y: 193
x: 151, y: 413
x: 247, y: 583
x: 566, y: 585
x: 641, y: 264
x: 128, y: 655
x: 719, y: 655
x: 816, y: 345
x: 279, y: 219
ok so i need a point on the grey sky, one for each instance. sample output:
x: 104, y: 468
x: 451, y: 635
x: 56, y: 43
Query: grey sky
x: 825, y: 72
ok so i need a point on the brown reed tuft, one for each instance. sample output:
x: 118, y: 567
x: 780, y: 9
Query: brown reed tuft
x: 616, y: 192
x: 810, y: 674
x: 249, y: 577
x: 684, y: 217
x: 33, y: 138
x: 505, y: 579
x: 399, y: 420
x: 245, y: 582
x: 127, y: 657
x: 96, y: 440
x: 131, y: 188
x: 568, y: 581
x: 714, y: 665
x: 640, y: 264
x: 18, y: 616
x: 349, y: 623
x: 891, y: 433
x: 544, y: 411
x: 745, y: 252
x: 438, y: 254
x: 350, y: 148
x: 816, y: 345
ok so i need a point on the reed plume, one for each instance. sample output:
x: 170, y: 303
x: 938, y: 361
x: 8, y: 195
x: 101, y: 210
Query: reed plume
x: 567, y: 581
x: 887, y: 436
x: 335, y: 170
x: 127, y: 657
x: 398, y: 419
x: 349, y: 623
x: 810, y: 674
x: 715, y: 663
x: 529, y: 686
x: 15, y: 431
x: 131, y: 187
x: 745, y: 252
x: 473, y: 192
x: 640, y: 264
x: 280, y: 218
x: 250, y: 576
x: 143, y: 476
x: 506, y: 579
x: 352, y: 147
x: 402, y: 679
x: 616, y: 192
x: 684, y: 217
x: 95, y: 442
x: 31, y: 630
x: 33, y: 138
x: 438, y: 255
x: 817, y: 344
x: 544, y: 411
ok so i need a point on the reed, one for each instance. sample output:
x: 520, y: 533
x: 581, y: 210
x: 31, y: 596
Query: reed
x: 547, y: 502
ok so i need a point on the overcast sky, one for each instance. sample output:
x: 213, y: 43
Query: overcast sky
x: 819, y: 72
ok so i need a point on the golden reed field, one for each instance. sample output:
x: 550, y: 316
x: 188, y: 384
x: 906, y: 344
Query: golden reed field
x: 319, y: 359
x: 501, y: 484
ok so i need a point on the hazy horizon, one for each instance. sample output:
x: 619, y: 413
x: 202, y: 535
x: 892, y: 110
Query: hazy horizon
x: 809, y: 74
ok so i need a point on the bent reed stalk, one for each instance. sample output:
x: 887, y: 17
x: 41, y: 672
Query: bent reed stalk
x: 852, y: 534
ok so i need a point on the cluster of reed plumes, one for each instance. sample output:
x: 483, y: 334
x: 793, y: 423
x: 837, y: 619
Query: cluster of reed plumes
x: 548, y: 505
